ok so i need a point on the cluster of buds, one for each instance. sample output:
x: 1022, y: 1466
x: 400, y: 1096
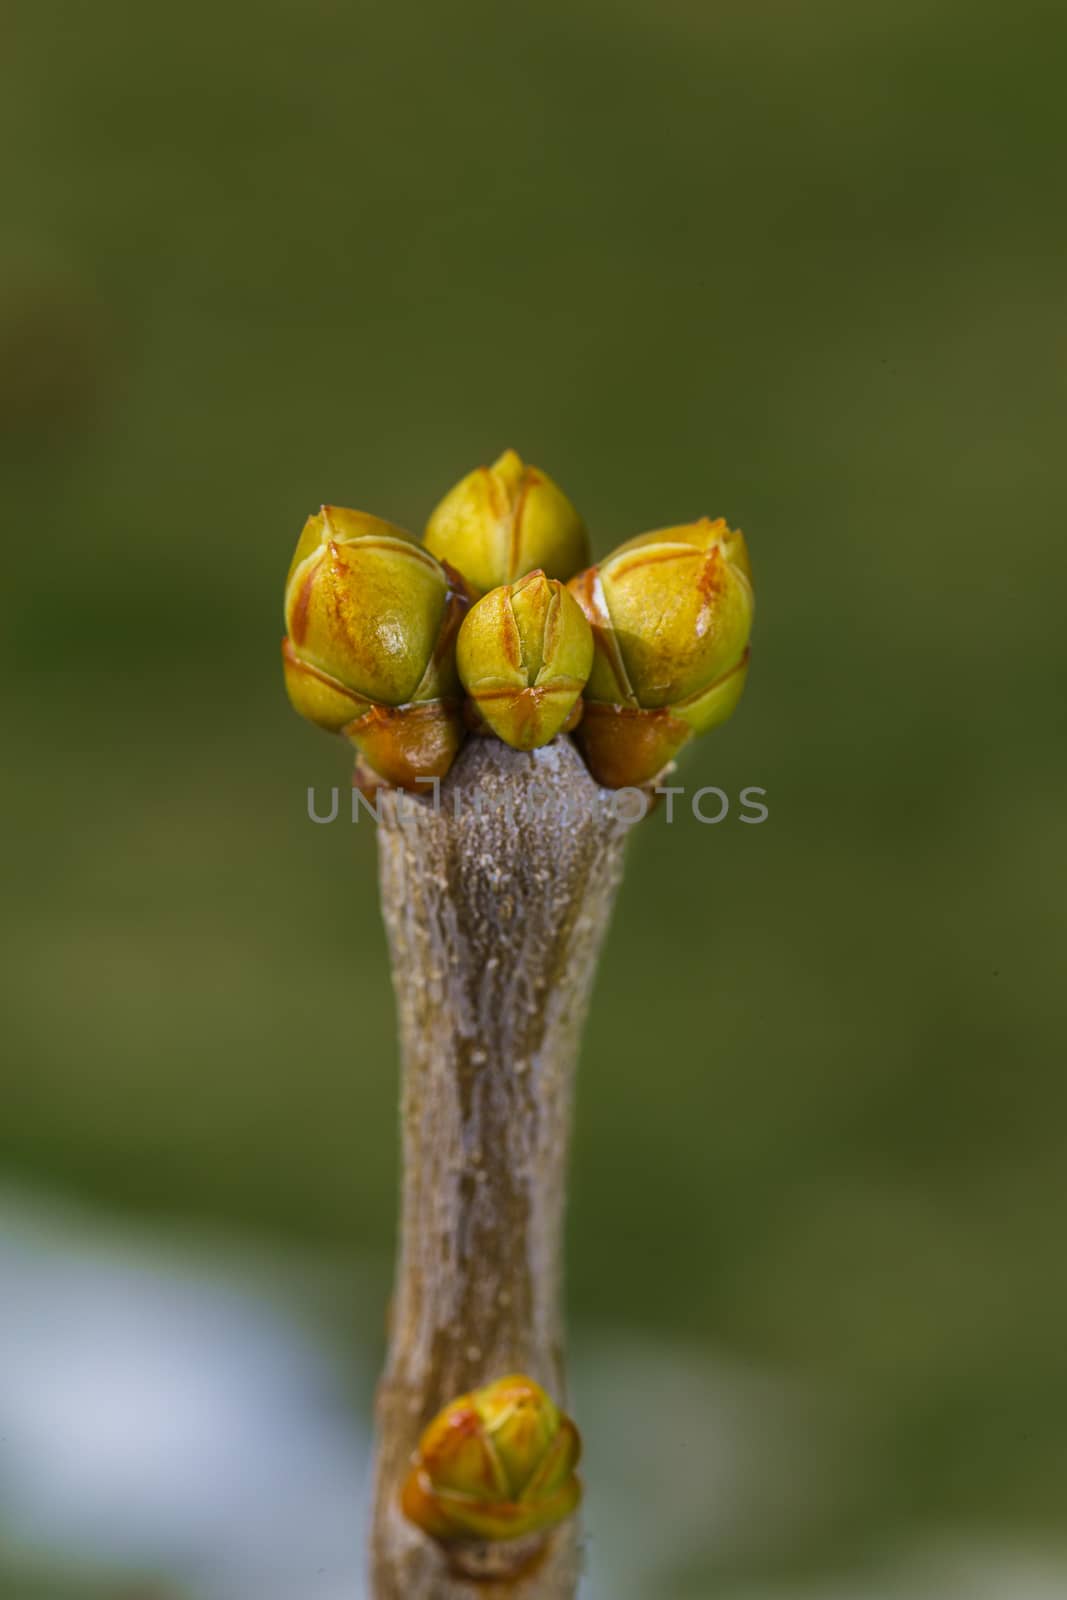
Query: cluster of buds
x: 494, y: 1465
x: 496, y: 622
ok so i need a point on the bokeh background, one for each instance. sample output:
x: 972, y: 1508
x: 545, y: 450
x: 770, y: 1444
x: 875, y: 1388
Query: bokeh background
x: 800, y: 265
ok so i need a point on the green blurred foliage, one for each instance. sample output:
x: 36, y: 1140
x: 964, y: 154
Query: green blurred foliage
x: 800, y: 266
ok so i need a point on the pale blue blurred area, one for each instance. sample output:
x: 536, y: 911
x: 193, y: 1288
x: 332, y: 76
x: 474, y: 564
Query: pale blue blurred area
x: 173, y: 1414
x: 181, y: 1419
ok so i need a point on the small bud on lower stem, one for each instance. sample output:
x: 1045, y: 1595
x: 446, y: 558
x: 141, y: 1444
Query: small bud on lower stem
x: 496, y: 1464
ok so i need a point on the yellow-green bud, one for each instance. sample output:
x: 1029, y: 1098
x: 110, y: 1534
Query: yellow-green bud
x: 524, y: 653
x: 495, y: 1464
x: 502, y: 521
x: 671, y: 613
x: 371, y: 622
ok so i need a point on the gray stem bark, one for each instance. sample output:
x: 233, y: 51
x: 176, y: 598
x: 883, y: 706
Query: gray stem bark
x: 495, y: 904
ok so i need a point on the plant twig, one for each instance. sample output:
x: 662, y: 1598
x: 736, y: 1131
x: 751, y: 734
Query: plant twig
x: 495, y: 910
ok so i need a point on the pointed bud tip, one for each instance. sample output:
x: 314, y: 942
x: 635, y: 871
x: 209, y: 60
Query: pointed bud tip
x: 502, y: 521
x: 509, y: 463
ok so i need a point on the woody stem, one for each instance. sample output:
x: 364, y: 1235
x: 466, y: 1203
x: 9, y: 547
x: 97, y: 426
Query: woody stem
x: 495, y: 902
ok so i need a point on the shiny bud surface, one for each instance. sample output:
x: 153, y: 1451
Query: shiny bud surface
x: 524, y: 654
x: 503, y: 521
x: 496, y: 1464
x: 371, y: 621
x: 671, y: 613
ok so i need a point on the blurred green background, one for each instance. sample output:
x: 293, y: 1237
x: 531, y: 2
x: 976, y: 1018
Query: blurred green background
x: 798, y: 265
